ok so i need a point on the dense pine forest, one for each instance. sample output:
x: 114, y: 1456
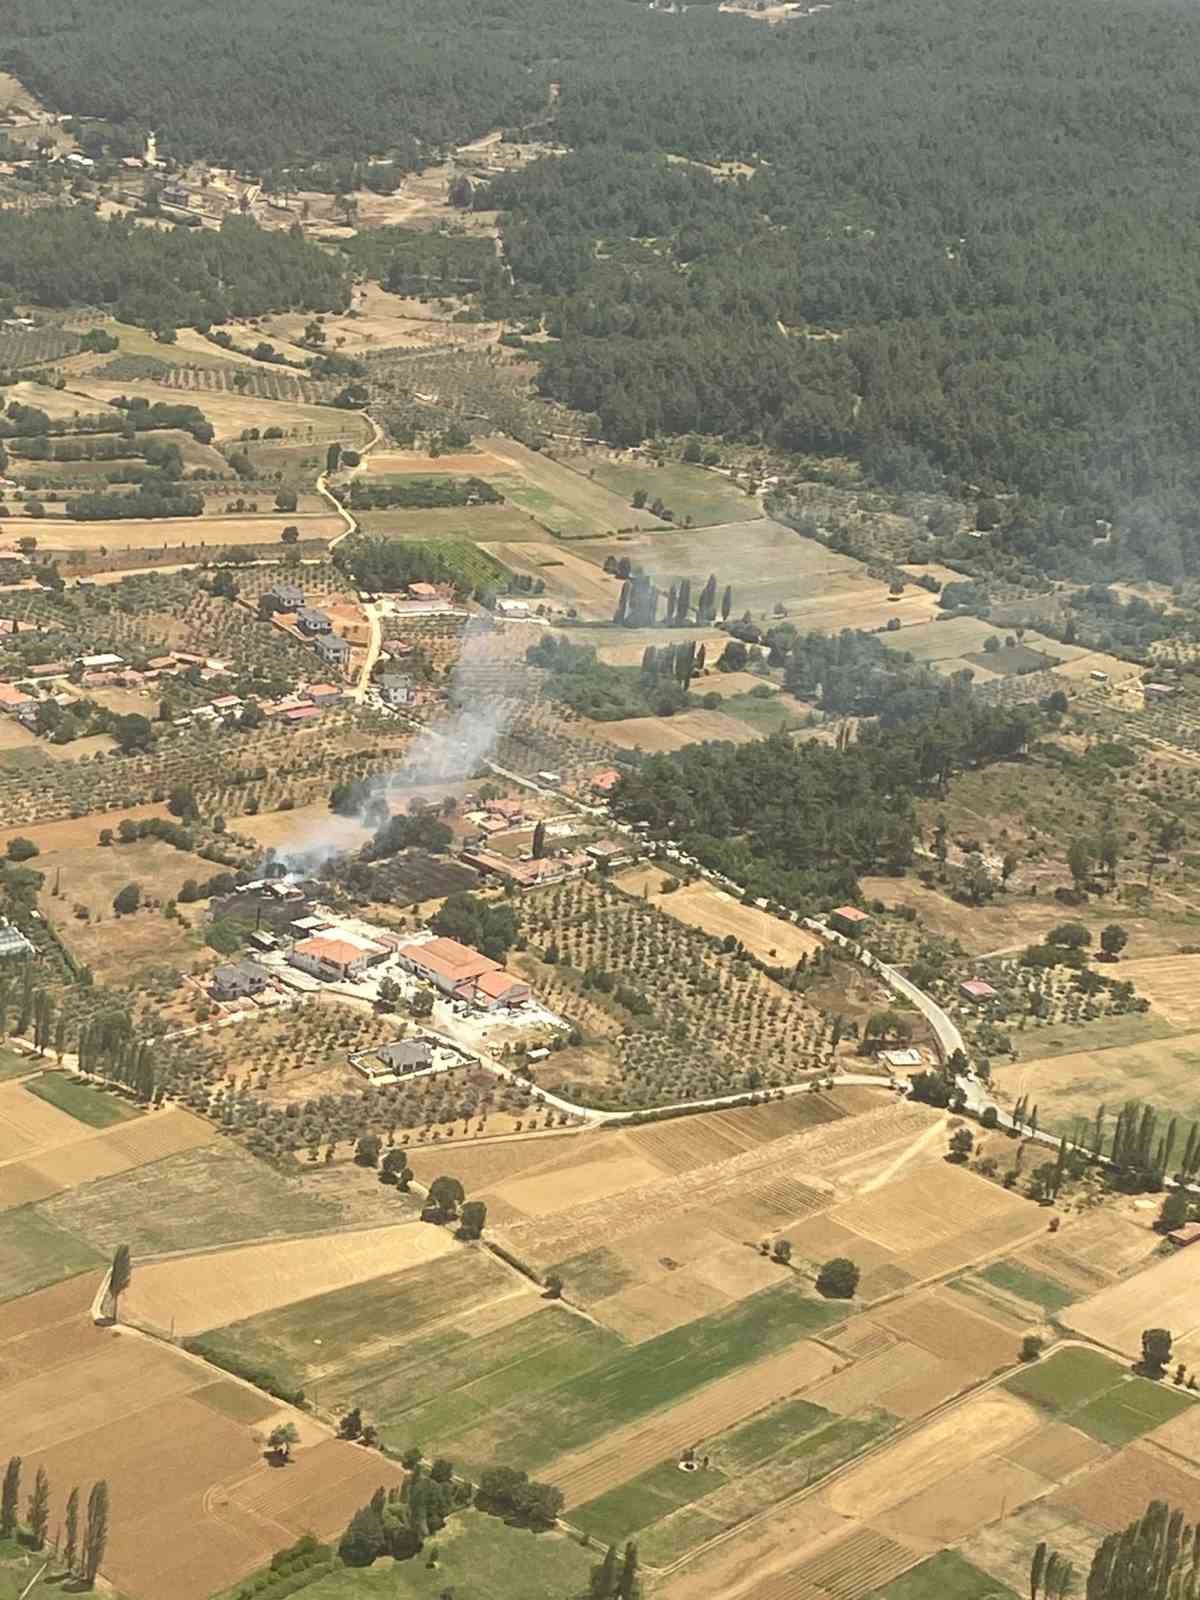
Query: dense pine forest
x: 959, y: 250
x: 66, y: 256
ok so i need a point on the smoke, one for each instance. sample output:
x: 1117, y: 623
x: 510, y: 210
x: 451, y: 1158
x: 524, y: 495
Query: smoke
x: 448, y: 751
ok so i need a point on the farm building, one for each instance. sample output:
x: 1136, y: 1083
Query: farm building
x: 426, y: 591
x: 335, y: 959
x: 14, y: 700
x: 976, y: 989
x: 500, y: 988
x: 606, y: 781
x: 332, y: 649
x: 1188, y: 1234
x: 509, y: 811
x: 445, y: 963
x: 101, y: 663
x: 609, y: 852
x: 518, y: 610
x: 325, y: 694
x: 849, y: 920
x: 1160, y: 691
x: 238, y: 981
x: 527, y: 874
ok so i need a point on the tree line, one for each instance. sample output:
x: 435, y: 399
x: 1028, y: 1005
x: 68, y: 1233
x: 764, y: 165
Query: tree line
x: 79, y: 1542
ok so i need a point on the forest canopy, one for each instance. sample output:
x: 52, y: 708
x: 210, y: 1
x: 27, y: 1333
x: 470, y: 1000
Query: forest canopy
x: 66, y: 256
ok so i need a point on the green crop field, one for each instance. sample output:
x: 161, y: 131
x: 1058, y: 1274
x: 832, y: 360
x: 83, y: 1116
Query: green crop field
x: 799, y: 1464
x: 394, y: 1307
x: 1028, y: 1285
x: 210, y: 1197
x: 1066, y: 1380
x: 479, y: 1558
x: 14, y: 1065
x: 686, y: 491
x: 1132, y: 1408
x: 81, y: 1100
x: 594, y: 1275
x: 623, y: 1512
x: 946, y: 1576
x: 618, y: 1386
x: 35, y: 1253
x: 1098, y: 1396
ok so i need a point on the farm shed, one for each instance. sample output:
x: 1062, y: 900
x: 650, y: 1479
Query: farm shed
x: 1188, y: 1234
x: 976, y: 989
x: 849, y: 920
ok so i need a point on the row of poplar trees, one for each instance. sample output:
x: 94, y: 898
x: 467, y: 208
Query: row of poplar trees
x: 81, y: 1547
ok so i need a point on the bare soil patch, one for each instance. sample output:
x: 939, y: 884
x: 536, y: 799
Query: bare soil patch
x: 703, y: 905
x: 1113, y: 1494
x: 984, y: 1426
x: 1114, y: 1318
x: 197, y: 1292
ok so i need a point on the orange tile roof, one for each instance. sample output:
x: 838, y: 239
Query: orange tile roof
x: 456, y: 962
x: 336, y: 951
x: 497, y: 983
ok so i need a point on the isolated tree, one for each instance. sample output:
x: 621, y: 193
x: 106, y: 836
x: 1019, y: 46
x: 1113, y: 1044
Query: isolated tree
x: 95, y: 1533
x: 1031, y: 1347
x: 281, y: 1439
x: 1156, y: 1351
x: 838, y: 1279
x: 351, y: 1425
x: 127, y: 900
x: 1113, y: 940
x: 962, y: 1142
x: 554, y: 1286
x: 38, y: 1514
x: 1080, y: 862
x: 474, y: 1218
x: 447, y: 1194
x: 782, y: 1251
x: 366, y: 1151
x: 290, y: 535
x: 10, y: 1497
x: 70, y: 1549
x: 21, y: 850
x: 1176, y: 1209
x: 120, y: 1274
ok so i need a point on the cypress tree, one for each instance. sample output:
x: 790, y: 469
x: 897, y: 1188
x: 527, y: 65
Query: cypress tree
x: 727, y: 602
x: 1036, y: 1568
x: 39, y: 1508
x: 71, y: 1535
x: 627, y: 1584
x: 95, y: 1532
x: 604, y: 1576
x: 10, y: 1496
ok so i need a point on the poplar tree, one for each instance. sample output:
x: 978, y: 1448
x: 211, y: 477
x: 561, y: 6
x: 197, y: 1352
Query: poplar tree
x: 39, y: 1508
x: 95, y: 1532
x: 10, y: 1496
x: 71, y: 1532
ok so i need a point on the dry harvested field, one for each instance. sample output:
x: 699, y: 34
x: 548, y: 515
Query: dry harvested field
x: 1171, y: 984
x: 1117, y: 1491
x: 584, y: 1474
x: 568, y: 577
x: 30, y: 1126
x: 671, y: 733
x: 178, y: 532
x: 1161, y: 1072
x: 476, y: 463
x: 571, y: 506
x: 230, y: 412
x: 765, y: 563
x: 1165, y: 1295
x: 282, y: 830
x: 196, y: 1292
x: 81, y: 1153
x: 703, y: 905
x: 56, y: 403
x: 75, y: 833
x: 88, y: 1403
x: 624, y: 647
